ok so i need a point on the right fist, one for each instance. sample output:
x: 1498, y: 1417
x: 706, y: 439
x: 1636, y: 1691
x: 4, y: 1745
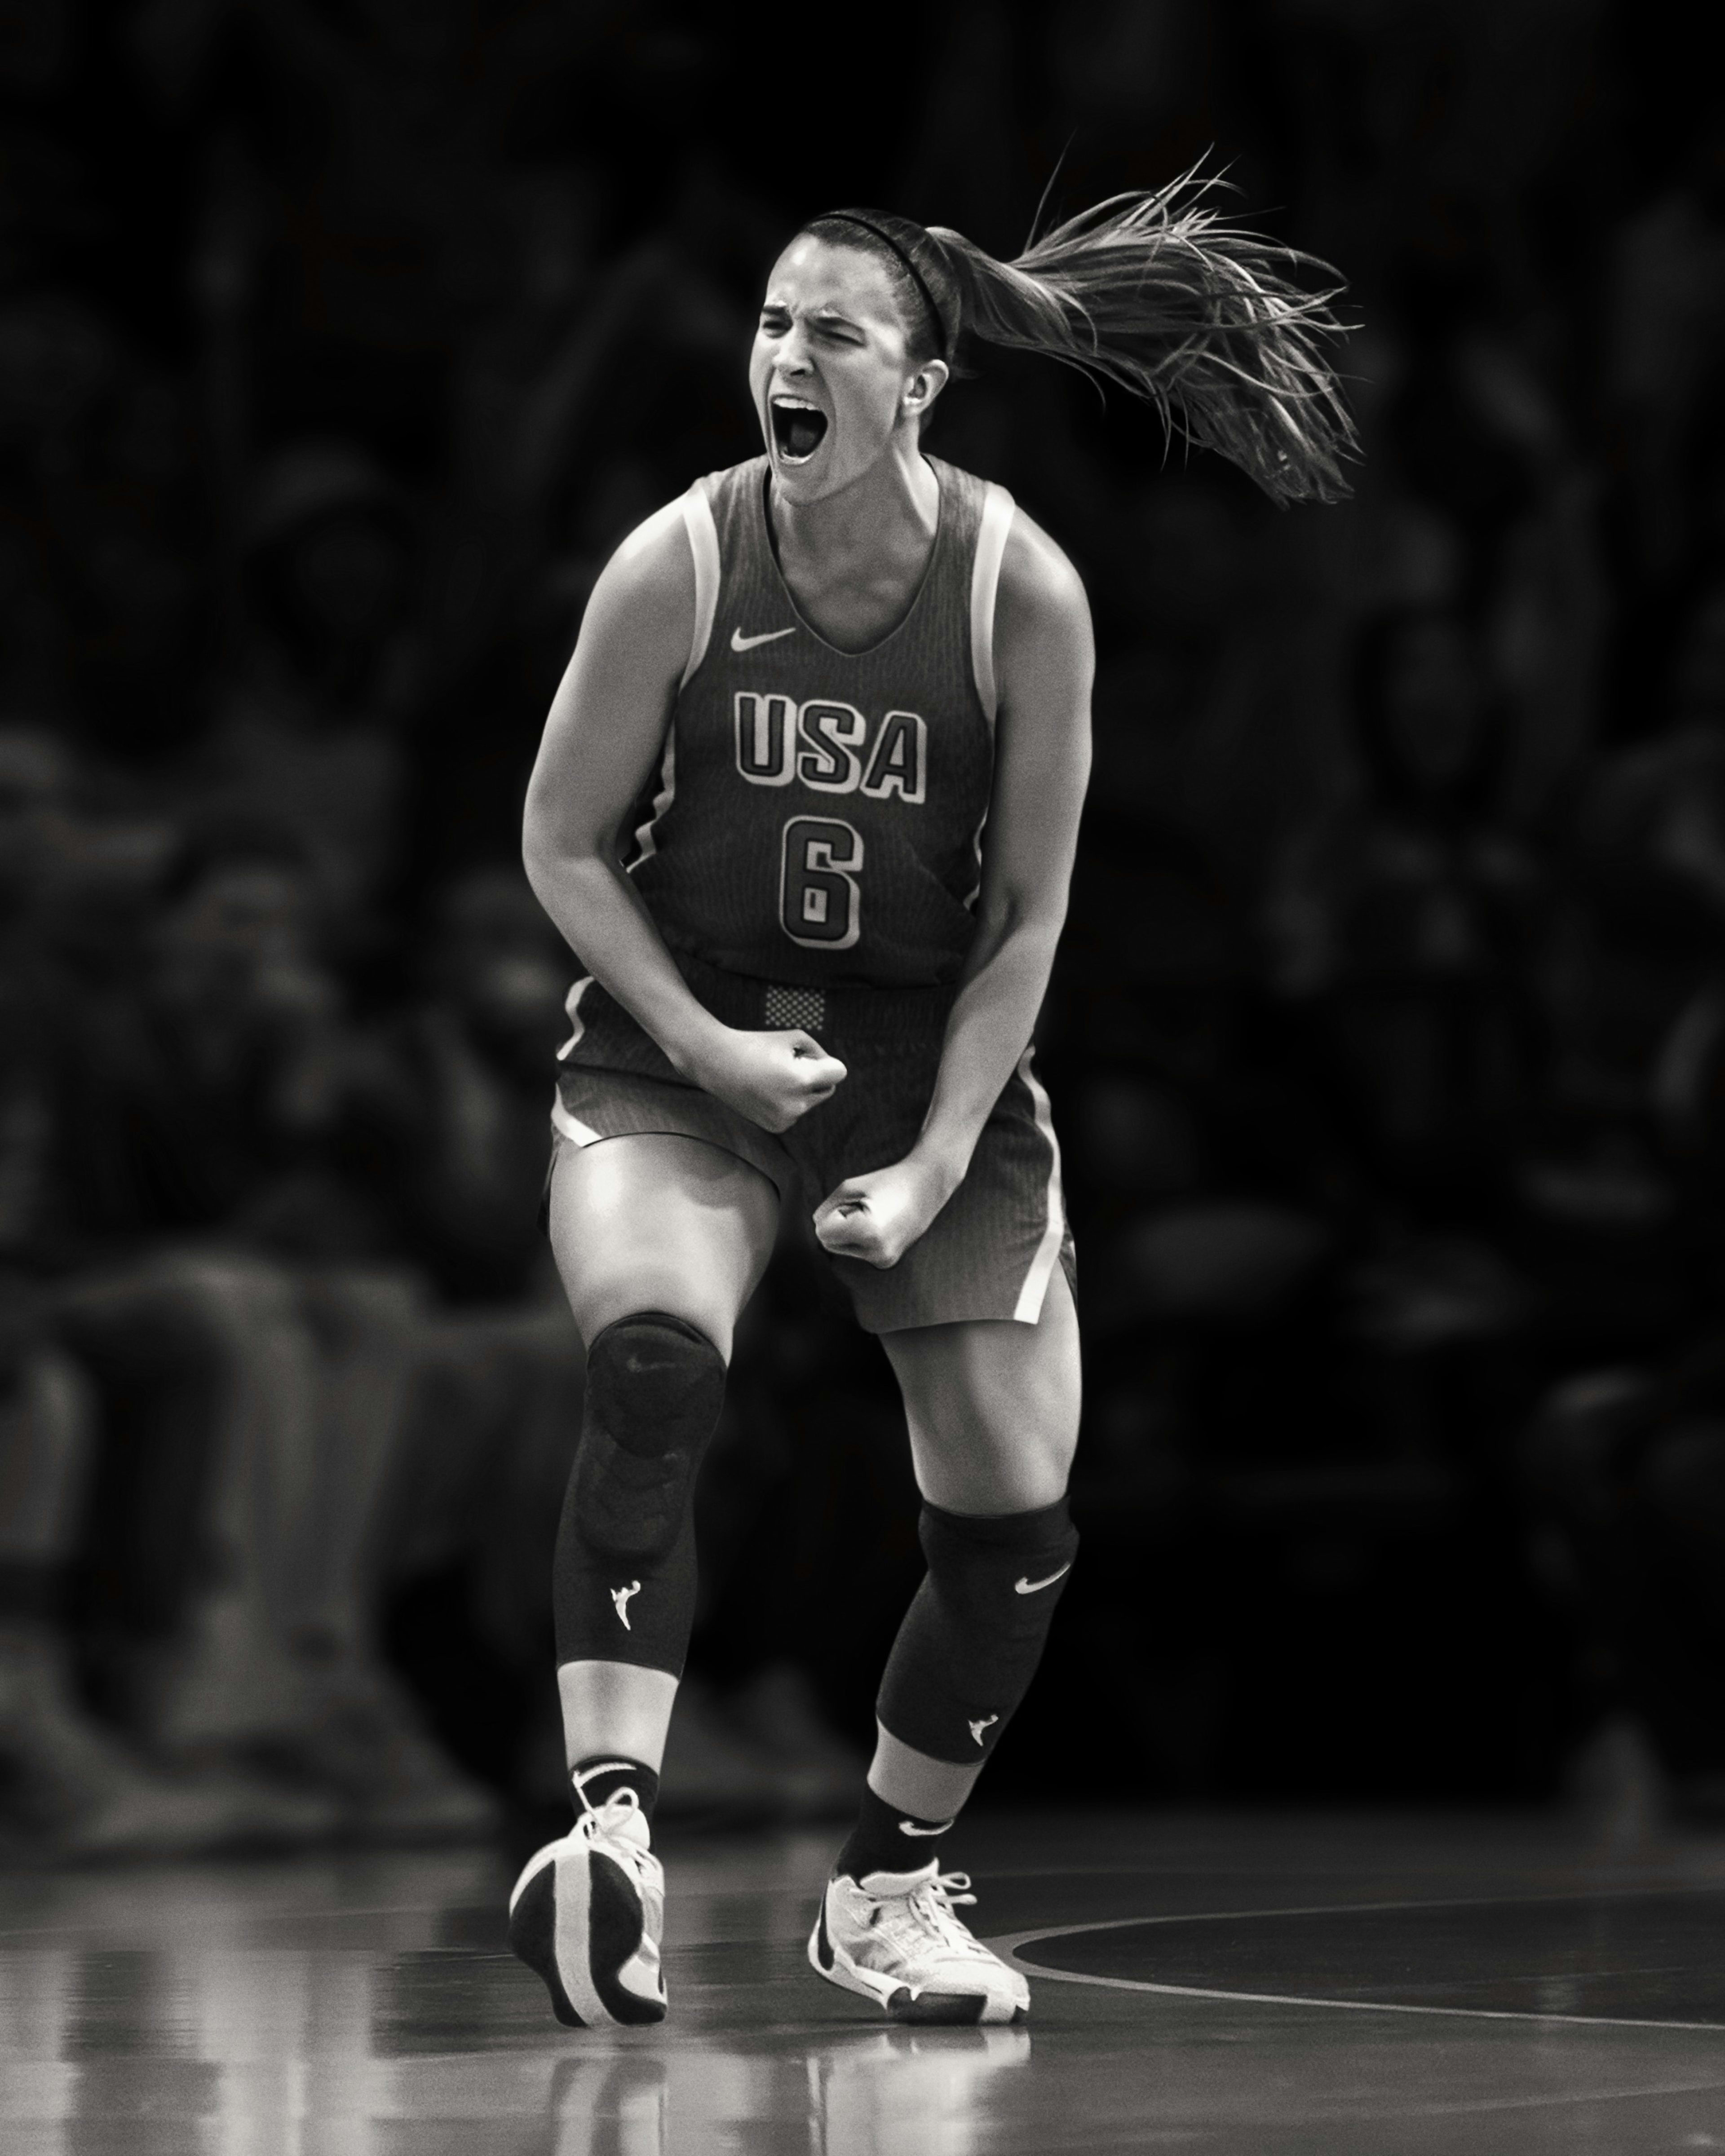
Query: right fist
x: 774, y: 1079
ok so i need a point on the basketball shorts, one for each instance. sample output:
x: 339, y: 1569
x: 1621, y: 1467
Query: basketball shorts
x: 990, y: 1252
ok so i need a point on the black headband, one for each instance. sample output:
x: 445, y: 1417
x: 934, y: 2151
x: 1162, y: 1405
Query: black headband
x: 886, y: 239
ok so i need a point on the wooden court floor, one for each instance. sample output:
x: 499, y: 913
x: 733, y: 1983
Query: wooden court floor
x: 1361, y: 1986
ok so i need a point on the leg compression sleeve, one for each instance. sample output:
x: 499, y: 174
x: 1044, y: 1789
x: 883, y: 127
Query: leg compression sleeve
x: 623, y: 1585
x: 975, y: 1630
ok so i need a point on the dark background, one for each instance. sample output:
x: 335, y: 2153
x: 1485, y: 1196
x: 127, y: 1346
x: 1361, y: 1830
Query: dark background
x: 339, y: 343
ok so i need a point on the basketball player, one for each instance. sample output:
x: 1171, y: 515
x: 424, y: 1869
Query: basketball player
x: 845, y: 688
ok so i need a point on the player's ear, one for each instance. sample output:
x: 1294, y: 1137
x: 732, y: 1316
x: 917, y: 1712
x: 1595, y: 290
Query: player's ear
x: 924, y: 386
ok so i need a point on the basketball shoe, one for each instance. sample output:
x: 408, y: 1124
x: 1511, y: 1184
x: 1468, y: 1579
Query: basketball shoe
x: 895, y: 1938
x: 587, y: 1915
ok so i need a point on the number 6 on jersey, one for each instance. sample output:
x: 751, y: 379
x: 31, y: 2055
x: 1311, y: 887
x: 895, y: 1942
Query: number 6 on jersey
x: 820, y: 899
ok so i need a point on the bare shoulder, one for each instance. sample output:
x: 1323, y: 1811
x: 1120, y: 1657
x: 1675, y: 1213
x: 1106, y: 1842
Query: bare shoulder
x: 637, y: 638
x: 1040, y: 588
x: 647, y: 585
x: 1043, y: 640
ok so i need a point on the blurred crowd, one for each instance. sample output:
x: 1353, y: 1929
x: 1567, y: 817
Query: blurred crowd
x: 340, y: 341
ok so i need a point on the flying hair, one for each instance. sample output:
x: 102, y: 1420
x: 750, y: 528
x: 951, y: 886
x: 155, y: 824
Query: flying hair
x: 1155, y: 291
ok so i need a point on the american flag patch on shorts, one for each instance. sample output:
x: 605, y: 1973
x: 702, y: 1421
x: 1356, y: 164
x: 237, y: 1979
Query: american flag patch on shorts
x: 805, y: 1007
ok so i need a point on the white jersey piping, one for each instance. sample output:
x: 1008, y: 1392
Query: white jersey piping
x: 572, y: 1010
x: 703, y: 549
x: 1028, y: 1309
x: 568, y: 1127
x: 997, y: 506
x: 646, y: 837
x: 704, y: 545
x: 578, y: 1132
x: 976, y: 843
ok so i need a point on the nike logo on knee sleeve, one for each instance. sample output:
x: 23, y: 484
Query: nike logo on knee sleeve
x: 620, y: 1596
x: 910, y: 1826
x: 1036, y: 1586
x: 978, y: 1727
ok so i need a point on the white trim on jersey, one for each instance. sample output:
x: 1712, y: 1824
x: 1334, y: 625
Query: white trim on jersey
x: 997, y: 506
x: 697, y: 515
x: 704, y: 545
x: 646, y: 844
x: 578, y: 1133
x: 568, y: 1126
x: 976, y: 846
x: 1029, y: 1307
x: 572, y: 1011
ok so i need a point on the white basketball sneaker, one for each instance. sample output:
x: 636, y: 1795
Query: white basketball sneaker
x: 895, y: 1938
x: 588, y: 1914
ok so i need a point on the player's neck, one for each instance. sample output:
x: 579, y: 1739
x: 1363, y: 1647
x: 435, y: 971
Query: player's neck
x: 878, y: 531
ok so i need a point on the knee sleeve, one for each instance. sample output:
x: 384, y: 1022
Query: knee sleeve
x: 624, y: 1582
x: 654, y: 1387
x: 974, y: 1634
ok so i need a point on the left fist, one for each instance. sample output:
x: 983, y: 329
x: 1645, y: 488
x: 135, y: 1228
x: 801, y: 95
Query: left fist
x: 877, y: 1217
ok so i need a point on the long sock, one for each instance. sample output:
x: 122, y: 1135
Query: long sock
x: 602, y: 1776
x: 888, y: 1839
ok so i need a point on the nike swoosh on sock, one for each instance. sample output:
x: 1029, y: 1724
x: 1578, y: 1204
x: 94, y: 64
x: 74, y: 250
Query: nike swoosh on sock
x: 1036, y: 1586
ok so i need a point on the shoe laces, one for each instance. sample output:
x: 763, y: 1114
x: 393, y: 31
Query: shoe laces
x: 605, y: 1822
x: 609, y: 1817
x: 931, y: 1910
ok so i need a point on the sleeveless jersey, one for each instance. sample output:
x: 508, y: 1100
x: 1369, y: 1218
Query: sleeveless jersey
x: 818, y: 814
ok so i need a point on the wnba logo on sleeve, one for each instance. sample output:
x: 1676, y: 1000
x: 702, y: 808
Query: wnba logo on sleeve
x: 831, y: 747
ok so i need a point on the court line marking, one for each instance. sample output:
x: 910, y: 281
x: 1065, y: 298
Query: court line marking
x: 1641, y: 1893
x: 1009, y: 1946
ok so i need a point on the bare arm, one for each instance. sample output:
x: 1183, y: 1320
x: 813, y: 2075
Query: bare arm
x: 604, y: 734
x: 1045, y: 657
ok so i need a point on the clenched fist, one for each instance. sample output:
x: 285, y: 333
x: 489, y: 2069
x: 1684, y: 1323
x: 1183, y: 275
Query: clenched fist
x: 877, y: 1217
x: 774, y: 1079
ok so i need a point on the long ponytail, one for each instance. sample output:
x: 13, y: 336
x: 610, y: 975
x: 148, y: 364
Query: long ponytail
x: 1153, y: 292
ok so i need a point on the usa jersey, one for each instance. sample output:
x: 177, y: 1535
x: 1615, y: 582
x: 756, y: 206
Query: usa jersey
x: 810, y: 850
x: 817, y: 817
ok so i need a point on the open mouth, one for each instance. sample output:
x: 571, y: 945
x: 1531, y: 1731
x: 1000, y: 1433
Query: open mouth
x: 797, y: 429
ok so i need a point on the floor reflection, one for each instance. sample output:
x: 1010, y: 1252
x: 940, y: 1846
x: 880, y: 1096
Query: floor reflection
x: 947, y: 2091
x: 873, y: 2093
x: 215, y: 2042
x: 371, y: 2010
x: 877, y: 2093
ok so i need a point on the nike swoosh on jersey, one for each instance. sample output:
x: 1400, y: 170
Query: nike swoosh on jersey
x: 739, y: 642
x: 1036, y: 1586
